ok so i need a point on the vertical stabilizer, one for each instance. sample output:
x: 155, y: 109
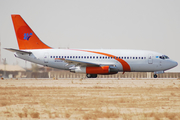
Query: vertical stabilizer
x: 26, y: 38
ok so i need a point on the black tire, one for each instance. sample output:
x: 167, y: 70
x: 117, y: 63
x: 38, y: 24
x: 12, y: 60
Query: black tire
x: 91, y: 75
x: 88, y: 75
x: 94, y: 75
x: 155, y: 76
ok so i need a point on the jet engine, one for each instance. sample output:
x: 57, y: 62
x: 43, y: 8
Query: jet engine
x: 95, y: 70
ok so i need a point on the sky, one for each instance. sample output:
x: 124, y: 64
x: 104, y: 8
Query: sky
x: 95, y: 24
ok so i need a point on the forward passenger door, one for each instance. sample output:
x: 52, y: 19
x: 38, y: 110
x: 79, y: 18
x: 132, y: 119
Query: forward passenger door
x: 150, y: 60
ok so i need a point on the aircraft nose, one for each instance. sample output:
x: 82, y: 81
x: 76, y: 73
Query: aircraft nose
x: 174, y: 63
x: 170, y: 64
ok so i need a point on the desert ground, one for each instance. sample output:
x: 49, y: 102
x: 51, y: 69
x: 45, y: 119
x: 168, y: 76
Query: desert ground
x: 122, y: 99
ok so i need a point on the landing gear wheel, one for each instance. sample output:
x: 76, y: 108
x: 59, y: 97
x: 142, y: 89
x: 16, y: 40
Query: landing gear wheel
x: 91, y: 75
x: 94, y: 75
x: 155, y: 76
x: 88, y: 75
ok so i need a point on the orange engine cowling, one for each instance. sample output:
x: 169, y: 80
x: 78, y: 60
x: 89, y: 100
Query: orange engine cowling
x: 96, y: 70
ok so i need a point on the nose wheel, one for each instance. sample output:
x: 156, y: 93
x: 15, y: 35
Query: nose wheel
x: 155, y: 75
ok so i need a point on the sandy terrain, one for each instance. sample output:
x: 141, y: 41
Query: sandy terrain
x: 122, y: 99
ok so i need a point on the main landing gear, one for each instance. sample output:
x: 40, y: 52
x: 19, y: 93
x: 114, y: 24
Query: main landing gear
x: 91, y: 75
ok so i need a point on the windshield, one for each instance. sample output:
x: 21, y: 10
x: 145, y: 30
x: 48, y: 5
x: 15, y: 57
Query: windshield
x: 163, y: 57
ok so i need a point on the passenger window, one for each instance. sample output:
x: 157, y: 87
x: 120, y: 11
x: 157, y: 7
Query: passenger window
x: 127, y: 57
x: 96, y: 57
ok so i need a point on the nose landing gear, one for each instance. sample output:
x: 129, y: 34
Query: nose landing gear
x: 157, y: 72
x: 155, y: 75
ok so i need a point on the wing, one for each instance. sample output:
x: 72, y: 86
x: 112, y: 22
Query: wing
x: 18, y: 51
x: 79, y: 63
x: 83, y: 63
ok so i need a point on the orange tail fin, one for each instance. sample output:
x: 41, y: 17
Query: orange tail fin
x: 26, y: 38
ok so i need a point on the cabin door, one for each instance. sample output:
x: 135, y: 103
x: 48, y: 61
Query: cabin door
x: 46, y: 55
x: 150, y: 60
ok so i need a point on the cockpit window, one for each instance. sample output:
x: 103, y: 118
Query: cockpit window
x: 163, y: 57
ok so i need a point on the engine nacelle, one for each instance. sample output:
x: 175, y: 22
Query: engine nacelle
x: 96, y: 70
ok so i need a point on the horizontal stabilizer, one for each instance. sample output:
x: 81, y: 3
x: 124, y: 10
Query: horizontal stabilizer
x: 18, y: 51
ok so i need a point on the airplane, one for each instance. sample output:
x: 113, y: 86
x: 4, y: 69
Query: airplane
x: 91, y: 62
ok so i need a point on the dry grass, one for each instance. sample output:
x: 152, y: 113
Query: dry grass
x: 34, y: 115
x: 100, y: 114
x: 90, y: 102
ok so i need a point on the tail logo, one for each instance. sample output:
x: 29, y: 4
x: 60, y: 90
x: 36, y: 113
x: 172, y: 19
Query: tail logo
x: 24, y: 33
x: 27, y: 36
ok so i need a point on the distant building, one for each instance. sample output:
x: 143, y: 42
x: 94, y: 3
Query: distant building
x: 11, y: 71
x: 11, y: 68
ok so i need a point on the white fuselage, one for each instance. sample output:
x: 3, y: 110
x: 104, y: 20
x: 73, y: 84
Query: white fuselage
x: 138, y: 60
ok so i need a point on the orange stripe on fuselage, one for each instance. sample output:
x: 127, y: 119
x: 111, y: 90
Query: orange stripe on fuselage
x: 126, y: 67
